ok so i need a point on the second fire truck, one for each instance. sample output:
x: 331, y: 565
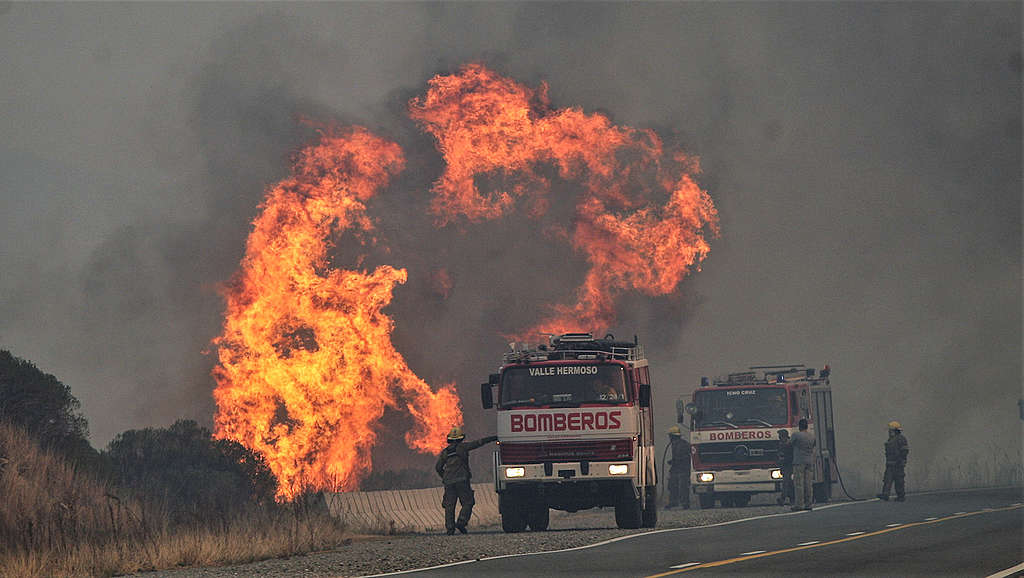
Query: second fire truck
x: 734, y: 439
x: 575, y: 431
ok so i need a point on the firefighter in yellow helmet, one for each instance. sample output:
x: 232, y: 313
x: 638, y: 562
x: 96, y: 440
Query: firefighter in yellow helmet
x: 896, y: 451
x: 679, y: 469
x: 453, y: 467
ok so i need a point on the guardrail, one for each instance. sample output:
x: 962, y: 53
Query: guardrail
x: 392, y: 511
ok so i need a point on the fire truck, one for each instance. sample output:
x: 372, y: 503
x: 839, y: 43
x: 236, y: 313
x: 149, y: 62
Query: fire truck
x: 575, y: 431
x: 734, y: 431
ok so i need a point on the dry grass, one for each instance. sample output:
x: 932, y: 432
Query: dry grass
x: 56, y: 521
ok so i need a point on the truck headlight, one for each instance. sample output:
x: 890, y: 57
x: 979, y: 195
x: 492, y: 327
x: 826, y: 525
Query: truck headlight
x: 776, y: 474
x: 618, y: 469
x: 706, y: 477
x: 515, y: 472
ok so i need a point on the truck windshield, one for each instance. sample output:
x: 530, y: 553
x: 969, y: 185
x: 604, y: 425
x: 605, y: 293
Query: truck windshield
x: 563, y: 385
x: 741, y: 407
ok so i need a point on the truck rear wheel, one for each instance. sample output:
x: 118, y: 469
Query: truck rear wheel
x: 650, y: 514
x: 512, y: 519
x: 707, y: 501
x: 629, y: 511
x: 538, y: 518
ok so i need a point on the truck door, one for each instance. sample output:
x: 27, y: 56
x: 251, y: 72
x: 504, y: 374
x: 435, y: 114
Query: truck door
x: 643, y: 377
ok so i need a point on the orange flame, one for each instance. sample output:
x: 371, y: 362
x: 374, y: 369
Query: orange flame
x: 307, y: 367
x: 487, y: 125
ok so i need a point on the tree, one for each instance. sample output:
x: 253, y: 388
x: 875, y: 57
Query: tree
x: 45, y: 407
x: 196, y: 475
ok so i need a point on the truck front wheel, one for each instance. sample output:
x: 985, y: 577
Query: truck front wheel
x: 628, y: 511
x: 822, y: 492
x: 707, y: 501
x: 538, y: 518
x: 512, y: 519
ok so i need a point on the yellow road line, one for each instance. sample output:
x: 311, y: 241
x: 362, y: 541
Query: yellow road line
x: 838, y: 541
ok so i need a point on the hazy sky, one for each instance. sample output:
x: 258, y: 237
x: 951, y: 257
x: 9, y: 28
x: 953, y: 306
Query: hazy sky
x: 865, y: 159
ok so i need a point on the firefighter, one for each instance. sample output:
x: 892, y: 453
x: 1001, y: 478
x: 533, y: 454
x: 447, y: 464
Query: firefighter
x: 453, y: 467
x: 803, y: 444
x: 896, y: 451
x: 786, y: 496
x: 679, y: 469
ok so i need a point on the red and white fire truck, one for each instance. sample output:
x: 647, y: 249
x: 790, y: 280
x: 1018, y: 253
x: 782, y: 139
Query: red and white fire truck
x: 575, y: 431
x: 734, y: 440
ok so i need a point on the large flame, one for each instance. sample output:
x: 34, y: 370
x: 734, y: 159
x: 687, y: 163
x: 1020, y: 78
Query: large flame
x: 641, y: 222
x: 307, y: 367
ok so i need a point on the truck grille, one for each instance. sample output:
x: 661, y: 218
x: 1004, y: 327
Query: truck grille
x: 738, y: 452
x: 594, y: 451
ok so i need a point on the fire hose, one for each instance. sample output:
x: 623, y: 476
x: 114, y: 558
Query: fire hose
x: 839, y: 474
x: 661, y: 490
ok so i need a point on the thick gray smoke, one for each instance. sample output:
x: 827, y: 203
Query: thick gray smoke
x: 865, y: 160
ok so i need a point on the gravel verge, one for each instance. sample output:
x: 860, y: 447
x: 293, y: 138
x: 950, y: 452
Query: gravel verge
x: 381, y: 554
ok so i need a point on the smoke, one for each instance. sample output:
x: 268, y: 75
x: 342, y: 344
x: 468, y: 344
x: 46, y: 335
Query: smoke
x: 865, y: 160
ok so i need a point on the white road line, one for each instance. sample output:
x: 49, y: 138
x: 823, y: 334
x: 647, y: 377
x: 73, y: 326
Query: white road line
x: 962, y: 490
x: 892, y: 525
x: 1008, y: 571
x: 958, y: 513
x: 604, y: 542
x: 754, y: 552
x: 855, y: 533
x: 930, y: 519
x: 687, y: 565
x: 811, y: 543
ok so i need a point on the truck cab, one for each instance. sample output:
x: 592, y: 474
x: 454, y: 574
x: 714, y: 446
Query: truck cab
x: 734, y: 431
x: 575, y: 431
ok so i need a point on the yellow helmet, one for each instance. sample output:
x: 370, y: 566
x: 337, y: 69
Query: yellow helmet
x: 456, y: 434
x: 894, y: 425
x: 675, y: 431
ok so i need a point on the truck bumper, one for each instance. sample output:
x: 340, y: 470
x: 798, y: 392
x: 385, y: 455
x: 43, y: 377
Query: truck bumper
x: 564, y: 473
x: 746, y: 481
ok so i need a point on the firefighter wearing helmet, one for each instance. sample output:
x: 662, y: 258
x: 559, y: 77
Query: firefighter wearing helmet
x: 453, y: 467
x: 679, y: 469
x: 896, y: 451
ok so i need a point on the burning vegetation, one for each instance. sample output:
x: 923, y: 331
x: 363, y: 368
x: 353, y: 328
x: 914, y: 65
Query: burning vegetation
x: 306, y: 363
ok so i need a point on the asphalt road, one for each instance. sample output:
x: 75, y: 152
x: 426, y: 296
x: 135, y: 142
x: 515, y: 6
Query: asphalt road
x: 960, y: 533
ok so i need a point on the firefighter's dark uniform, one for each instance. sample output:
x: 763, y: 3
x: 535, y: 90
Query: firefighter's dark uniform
x: 788, y: 493
x: 679, y: 473
x: 453, y: 467
x: 896, y: 451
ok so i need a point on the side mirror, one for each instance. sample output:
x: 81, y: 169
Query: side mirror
x: 694, y: 411
x: 486, y: 395
x: 680, y: 411
x: 494, y: 379
x: 645, y: 395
